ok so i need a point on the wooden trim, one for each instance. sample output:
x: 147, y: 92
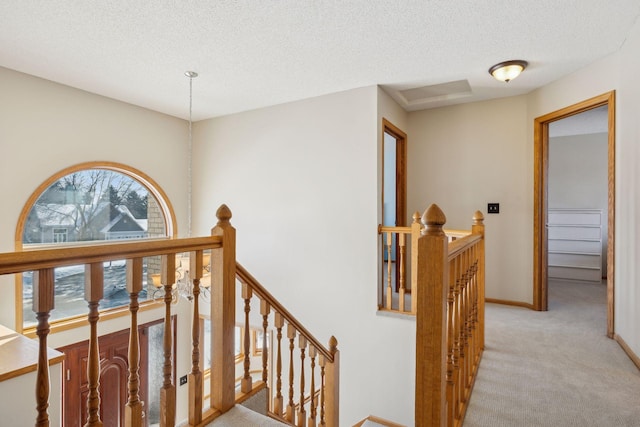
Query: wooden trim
x: 611, y: 213
x: 81, y: 319
x: 541, y: 167
x: 19, y: 355
x: 634, y: 357
x: 508, y: 302
x: 378, y: 420
x: 152, y: 186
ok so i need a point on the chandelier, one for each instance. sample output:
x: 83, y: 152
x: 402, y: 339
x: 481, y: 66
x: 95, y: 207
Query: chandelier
x: 183, y: 286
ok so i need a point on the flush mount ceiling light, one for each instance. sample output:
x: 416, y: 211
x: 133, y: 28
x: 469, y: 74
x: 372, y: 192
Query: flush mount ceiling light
x: 508, y: 70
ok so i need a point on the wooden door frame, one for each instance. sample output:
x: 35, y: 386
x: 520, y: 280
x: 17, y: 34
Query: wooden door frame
x: 401, y: 183
x: 401, y: 170
x: 541, y: 170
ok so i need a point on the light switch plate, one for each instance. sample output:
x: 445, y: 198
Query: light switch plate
x: 493, y: 208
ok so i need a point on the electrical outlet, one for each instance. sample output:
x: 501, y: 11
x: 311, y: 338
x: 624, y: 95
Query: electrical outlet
x: 183, y: 380
x: 493, y: 208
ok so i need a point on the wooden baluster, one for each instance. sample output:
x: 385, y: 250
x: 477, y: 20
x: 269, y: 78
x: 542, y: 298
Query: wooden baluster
x: 302, y: 414
x: 278, y: 322
x: 223, y: 314
x: 43, y: 303
x: 291, y: 408
x: 195, y: 377
x: 312, y: 389
x: 389, y: 275
x: 462, y: 332
x: 467, y: 317
x: 457, y: 283
x: 400, y: 266
x: 478, y: 227
x: 323, y: 363
x: 474, y: 305
x: 246, y: 384
x: 450, y: 339
x: 464, y: 257
x: 93, y: 292
x: 332, y: 373
x: 416, y: 230
x: 168, y: 390
x: 431, y: 351
x: 265, y: 309
x: 133, y: 414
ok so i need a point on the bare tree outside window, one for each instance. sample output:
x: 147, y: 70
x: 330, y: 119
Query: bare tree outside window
x: 87, y: 206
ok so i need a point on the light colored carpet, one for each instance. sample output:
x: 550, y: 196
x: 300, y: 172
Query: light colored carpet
x: 554, y: 368
x: 239, y: 416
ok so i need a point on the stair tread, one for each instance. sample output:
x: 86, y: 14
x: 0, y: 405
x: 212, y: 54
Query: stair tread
x: 241, y: 416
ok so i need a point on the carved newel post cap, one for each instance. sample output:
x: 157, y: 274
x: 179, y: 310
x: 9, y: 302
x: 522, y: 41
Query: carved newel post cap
x: 223, y: 214
x: 433, y: 217
x: 333, y: 344
x: 478, y: 218
x: 416, y: 216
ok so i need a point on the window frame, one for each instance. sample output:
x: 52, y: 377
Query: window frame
x: 81, y: 320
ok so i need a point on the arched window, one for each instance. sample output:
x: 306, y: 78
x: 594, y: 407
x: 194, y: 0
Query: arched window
x: 90, y: 203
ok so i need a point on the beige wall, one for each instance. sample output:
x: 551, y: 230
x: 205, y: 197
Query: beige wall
x: 46, y: 127
x: 301, y: 179
x: 628, y: 193
x: 463, y: 157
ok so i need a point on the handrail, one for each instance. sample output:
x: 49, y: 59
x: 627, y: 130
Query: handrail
x: 30, y: 260
x: 223, y: 276
x: 400, y: 247
x: 459, y: 245
x: 246, y: 278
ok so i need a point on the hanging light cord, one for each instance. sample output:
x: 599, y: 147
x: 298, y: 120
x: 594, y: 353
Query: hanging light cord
x: 191, y: 75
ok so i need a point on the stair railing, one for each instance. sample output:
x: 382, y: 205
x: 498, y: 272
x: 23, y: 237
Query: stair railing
x: 449, y: 320
x: 317, y: 372
x: 398, y: 280
x: 310, y: 396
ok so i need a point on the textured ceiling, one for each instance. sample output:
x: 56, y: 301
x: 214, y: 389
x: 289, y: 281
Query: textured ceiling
x: 256, y: 53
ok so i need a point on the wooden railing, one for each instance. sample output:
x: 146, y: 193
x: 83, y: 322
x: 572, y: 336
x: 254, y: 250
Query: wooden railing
x: 223, y: 271
x: 314, y: 373
x: 449, y: 320
x: 398, y: 281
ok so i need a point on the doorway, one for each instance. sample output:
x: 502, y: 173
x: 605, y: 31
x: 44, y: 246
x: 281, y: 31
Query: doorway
x: 114, y: 374
x: 394, y: 186
x: 541, y: 199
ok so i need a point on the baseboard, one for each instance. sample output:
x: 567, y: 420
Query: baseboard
x: 507, y: 302
x: 634, y: 357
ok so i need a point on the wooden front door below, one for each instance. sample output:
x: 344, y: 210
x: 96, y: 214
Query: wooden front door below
x: 114, y: 372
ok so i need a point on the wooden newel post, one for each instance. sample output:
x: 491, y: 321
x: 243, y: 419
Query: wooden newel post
x: 430, y: 400
x: 223, y: 313
x: 478, y: 227
x: 332, y: 377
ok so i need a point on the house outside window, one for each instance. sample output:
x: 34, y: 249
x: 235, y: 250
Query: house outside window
x: 88, y: 204
x: 59, y: 235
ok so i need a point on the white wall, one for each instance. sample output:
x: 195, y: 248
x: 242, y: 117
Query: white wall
x: 616, y: 72
x: 19, y: 409
x: 301, y: 179
x: 46, y: 127
x: 465, y: 156
x: 627, y: 299
x: 578, y: 176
